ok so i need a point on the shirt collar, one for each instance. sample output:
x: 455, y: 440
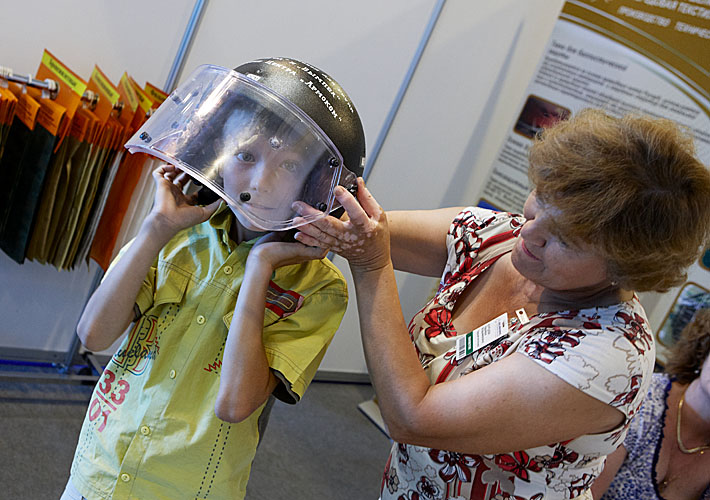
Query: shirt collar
x: 221, y: 221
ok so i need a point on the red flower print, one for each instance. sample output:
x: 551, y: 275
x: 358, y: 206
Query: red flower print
x: 582, y: 484
x: 553, y: 344
x: 456, y: 465
x: 519, y: 463
x: 635, y: 332
x: 438, y: 320
x: 627, y: 397
x: 428, y: 490
x: 560, y: 456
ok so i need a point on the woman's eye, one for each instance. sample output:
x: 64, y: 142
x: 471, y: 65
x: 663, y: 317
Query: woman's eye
x: 245, y: 156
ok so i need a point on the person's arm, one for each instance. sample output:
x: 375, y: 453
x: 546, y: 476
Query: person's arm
x: 246, y: 380
x: 512, y: 404
x: 611, y: 467
x: 418, y: 239
x: 110, y: 309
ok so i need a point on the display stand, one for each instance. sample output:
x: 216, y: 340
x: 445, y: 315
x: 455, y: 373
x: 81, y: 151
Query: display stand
x: 74, y: 365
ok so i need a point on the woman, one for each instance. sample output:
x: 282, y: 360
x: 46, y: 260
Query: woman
x: 619, y: 206
x: 666, y: 453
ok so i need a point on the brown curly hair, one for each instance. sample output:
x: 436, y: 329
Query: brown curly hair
x: 692, y: 348
x: 630, y: 187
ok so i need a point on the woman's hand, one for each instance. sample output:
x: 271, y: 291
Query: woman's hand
x: 173, y: 210
x: 363, y: 239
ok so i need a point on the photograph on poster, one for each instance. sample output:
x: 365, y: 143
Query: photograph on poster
x: 537, y: 114
x: 690, y: 298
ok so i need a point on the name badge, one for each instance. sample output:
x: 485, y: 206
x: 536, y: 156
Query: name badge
x: 482, y: 336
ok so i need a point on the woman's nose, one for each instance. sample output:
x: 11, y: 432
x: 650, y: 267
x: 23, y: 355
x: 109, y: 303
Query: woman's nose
x: 533, y: 233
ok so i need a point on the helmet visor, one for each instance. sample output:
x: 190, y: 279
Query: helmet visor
x: 254, y: 148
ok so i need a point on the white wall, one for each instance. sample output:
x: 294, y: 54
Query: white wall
x: 129, y: 35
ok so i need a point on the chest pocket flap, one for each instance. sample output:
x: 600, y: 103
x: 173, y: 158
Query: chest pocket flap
x: 170, y: 285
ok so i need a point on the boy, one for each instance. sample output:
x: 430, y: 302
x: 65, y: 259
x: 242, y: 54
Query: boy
x: 223, y: 321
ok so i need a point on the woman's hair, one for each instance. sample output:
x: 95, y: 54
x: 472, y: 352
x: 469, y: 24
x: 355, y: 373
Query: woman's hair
x: 630, y: 187
x: 692, y: 348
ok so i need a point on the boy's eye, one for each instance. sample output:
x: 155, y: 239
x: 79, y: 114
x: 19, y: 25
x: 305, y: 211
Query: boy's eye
x: 290, y: 166
x: 245, y: 156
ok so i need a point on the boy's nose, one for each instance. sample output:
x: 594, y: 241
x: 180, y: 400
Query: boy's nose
x: 262, y: 178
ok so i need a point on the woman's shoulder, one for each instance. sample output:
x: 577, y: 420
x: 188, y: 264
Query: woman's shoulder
x: 474, y: 218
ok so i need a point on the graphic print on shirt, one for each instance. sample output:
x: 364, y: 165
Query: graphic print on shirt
x: 282, y: 302
x: 143, y: 343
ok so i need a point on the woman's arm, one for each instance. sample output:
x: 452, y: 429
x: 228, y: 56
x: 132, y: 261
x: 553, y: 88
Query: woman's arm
x: 611, y: 467
x: 510, y: 405
x: 246, y: 380
x: 418, y: 239
x: 110, y: 309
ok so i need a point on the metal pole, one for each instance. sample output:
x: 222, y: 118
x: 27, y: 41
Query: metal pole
x: 372, y: 157
x: 187, y: 38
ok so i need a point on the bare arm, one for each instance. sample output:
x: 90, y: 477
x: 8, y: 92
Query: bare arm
x: 418, y: 239
x: 246, y: 380
x: 109, y: 311
x: 465, y: 414
x: 611, y: 467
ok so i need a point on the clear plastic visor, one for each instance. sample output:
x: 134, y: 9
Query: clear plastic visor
x: 254, y: 148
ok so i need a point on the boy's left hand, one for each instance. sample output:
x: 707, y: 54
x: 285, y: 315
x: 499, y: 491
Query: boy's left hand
x: 272, y: 251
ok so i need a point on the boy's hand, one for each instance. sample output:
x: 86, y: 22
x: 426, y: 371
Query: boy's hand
x: 173, y: 210
x: 269, y: 250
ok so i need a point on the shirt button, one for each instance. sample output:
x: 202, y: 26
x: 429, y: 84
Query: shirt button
x: 172, y: 374
x: 227, y: 269
x: 125, y: 477
x: 145, y: 430
x: 200, y: 320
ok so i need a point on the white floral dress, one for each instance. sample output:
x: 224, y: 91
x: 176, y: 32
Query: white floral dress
x: 606, y: 352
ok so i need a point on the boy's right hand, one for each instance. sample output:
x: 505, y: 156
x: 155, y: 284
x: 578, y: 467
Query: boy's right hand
x: 172, y: 209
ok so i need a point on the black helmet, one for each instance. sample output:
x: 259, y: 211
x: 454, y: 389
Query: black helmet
x: 320, y: 97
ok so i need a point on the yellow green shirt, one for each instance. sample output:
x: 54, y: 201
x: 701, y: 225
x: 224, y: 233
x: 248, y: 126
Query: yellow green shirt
x: 150, y: 431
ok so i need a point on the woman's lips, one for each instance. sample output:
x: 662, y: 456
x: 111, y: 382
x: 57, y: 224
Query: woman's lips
x: 527, y: 252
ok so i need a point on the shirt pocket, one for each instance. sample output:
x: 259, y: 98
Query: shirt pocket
x: 170, y: 286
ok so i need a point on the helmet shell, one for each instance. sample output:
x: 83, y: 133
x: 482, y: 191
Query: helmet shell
x: 320, y: 97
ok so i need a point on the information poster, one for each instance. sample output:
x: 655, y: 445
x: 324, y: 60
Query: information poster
x: 649, y: 56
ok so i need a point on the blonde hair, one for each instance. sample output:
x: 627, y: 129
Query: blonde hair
x: 632, y: 188
x: 692, y: 348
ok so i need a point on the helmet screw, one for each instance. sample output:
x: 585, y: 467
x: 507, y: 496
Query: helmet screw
x: 322, y: 206
x: 333, y: 162
x: 145, y: 137
x: 244, y: 196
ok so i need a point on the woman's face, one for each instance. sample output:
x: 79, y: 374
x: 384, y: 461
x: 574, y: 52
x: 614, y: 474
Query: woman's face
x: 551, y: 262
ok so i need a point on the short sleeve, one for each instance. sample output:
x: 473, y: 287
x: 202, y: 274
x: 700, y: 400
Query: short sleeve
x: 601, y: 362
x: 296, y: 344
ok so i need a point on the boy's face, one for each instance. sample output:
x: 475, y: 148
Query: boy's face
x: 264, y: 169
